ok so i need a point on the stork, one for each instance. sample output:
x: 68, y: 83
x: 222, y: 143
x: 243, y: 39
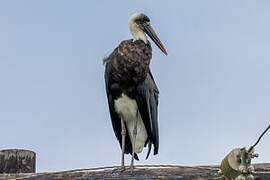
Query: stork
x: 132, y: 92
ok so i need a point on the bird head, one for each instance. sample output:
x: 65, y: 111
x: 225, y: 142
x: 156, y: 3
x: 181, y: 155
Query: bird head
x: 139, y: 24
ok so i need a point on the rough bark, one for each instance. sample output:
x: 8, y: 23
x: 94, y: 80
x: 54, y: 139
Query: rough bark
x: 141, y: 173
x: 17, y: 161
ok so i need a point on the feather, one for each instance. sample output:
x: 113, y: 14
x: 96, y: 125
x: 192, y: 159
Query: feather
x: 147, y: 100
x: 127, y: 72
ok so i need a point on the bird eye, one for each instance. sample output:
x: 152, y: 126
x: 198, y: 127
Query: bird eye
x: 146, y: 19
x: 137, y: 21
x: 142, y: 20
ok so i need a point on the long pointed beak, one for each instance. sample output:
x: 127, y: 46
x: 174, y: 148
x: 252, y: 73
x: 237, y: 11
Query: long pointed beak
x: 151, y: 33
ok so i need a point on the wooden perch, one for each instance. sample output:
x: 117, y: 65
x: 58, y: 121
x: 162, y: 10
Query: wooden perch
x: 17, y: 161
x: 181, y: 173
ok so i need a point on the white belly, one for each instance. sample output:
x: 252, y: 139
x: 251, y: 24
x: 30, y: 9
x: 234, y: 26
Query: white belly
x: 128, y: 109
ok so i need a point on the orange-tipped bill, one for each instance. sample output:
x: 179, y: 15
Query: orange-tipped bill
x: 151, y: 33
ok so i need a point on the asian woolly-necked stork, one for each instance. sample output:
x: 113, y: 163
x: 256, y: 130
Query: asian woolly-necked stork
x: 131, y: 90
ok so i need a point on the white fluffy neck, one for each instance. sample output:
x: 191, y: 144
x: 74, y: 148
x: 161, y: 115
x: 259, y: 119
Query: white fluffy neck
x: 135, y: 30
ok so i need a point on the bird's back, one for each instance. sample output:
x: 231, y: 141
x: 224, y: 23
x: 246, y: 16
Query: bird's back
x: 128, y: 64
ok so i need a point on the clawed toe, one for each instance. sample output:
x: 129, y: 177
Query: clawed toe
x: 124, y: 169
x: 120, y: 169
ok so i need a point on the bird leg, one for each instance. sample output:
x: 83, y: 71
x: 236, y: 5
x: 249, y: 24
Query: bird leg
x: 123, y: 133
x: 133, y: 145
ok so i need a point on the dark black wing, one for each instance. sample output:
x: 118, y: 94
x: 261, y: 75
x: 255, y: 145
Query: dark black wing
x: 115, y: 118
x: 147, y: 101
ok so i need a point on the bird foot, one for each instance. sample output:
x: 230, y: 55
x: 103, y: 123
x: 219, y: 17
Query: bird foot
x: 119, y: 169
x: 132, y: 168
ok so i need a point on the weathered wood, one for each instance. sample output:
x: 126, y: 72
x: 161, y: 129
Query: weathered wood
x: 17, y: 161
x: 180, y: 173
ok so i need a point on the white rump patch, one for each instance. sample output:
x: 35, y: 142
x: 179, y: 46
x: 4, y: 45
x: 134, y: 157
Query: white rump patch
x: 128, y: 110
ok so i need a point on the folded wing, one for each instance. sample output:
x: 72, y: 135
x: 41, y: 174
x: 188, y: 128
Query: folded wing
x: 147, y: 101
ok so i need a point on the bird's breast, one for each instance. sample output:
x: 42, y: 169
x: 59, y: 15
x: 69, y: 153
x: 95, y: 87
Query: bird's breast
x: 128, y: 65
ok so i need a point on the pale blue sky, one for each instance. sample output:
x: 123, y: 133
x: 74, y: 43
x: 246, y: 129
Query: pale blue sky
x: 214, y: 84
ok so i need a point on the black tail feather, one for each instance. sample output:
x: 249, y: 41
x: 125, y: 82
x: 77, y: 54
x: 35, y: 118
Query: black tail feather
x: 136, y: 157
x: 149, y: 149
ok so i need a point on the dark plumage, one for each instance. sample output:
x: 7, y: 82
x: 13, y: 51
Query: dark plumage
x: 127, y: 71
x: 131, y: 90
